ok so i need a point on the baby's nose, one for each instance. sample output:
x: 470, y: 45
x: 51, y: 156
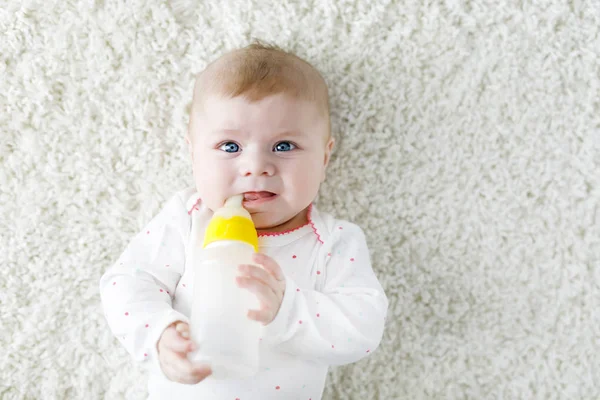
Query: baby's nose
x: 258, y: 166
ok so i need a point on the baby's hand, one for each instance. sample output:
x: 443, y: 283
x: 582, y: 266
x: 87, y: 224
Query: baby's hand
x: 267, y: 284
x: 173, y: 346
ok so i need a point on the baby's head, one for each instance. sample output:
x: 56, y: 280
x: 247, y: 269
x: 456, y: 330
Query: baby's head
x: 259, y: 125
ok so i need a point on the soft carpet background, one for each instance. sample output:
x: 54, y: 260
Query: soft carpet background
x: 468, y: 149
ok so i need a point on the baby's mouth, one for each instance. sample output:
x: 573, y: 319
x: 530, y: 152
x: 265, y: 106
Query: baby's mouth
x: 251, y: 196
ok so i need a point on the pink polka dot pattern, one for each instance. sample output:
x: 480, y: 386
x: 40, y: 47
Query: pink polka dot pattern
x: 318, y: 272
x: 147, y: 325
x: 352, y: 259
x: 318, y: 315
x: 294, y: 256
x: 277, y: 387
x: 300, y: 322
x: 126, y: 313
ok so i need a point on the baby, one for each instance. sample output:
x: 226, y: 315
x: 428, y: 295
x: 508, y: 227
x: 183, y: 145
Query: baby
x: 259, y: 126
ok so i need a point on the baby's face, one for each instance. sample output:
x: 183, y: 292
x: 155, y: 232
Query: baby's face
x: 274, y: 151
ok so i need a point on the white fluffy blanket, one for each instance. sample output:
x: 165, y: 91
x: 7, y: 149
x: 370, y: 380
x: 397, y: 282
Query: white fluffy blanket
x: 468, y: 149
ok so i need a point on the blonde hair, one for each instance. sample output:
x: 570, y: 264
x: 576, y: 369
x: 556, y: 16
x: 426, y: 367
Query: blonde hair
x: 260, y: 70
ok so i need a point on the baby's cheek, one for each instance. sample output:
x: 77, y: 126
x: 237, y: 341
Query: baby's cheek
x: 211, y: 183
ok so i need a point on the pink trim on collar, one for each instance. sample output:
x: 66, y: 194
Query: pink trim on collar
x: 313, y: 225
x: 268, y: 234
x: 194, y: 207
x: 310, y: 222
x: 281, y: 233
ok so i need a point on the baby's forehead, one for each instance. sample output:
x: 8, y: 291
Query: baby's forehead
x: 277, y: 112
x: 257, y: 72
x: 275, y: 118
x: 261, y: 73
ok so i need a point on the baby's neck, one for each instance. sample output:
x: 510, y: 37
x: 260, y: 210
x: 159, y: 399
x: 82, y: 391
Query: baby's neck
x: 297, y: 221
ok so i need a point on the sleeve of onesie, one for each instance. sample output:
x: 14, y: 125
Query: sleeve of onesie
x: 344, y: 320
x: 137, y: 291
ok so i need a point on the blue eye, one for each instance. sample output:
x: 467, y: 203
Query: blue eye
x: 230, y: 147
x: 284, y: 146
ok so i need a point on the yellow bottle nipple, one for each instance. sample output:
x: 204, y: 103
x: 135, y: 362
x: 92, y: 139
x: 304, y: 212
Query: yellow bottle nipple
x: 232, y: 222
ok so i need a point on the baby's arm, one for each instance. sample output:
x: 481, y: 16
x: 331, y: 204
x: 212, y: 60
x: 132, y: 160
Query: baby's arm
x: 344, y: 321
x: 137, y: 290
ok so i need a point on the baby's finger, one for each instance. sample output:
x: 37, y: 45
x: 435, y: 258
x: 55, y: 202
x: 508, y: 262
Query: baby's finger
x: 202, y: 371
x: 173, y: 341
x: 270, y: 265
x: 263, y: 292
x: 252, y: 271
x: 183, y: 329
x: 184, y: 370
x: 180, y: 369
x: 262, y: 316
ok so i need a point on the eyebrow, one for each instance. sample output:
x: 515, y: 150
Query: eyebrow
x: 276, y: 136
x: 289, y: 134
x: 226, y: 131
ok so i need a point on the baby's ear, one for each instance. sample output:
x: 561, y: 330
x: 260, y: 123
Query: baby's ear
x: 328, y: 150
x: 189, y: 146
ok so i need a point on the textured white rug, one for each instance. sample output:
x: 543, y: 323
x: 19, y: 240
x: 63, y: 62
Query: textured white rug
x: 468, y: 149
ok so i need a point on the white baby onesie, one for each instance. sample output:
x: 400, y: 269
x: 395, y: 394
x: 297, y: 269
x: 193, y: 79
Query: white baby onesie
x: 333, y: 309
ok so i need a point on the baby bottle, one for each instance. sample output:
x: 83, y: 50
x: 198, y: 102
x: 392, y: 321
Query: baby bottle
x: 226, y: 338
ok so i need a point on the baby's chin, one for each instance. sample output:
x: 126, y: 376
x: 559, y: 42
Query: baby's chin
x: 266, y: 223
x: 263, y: 223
